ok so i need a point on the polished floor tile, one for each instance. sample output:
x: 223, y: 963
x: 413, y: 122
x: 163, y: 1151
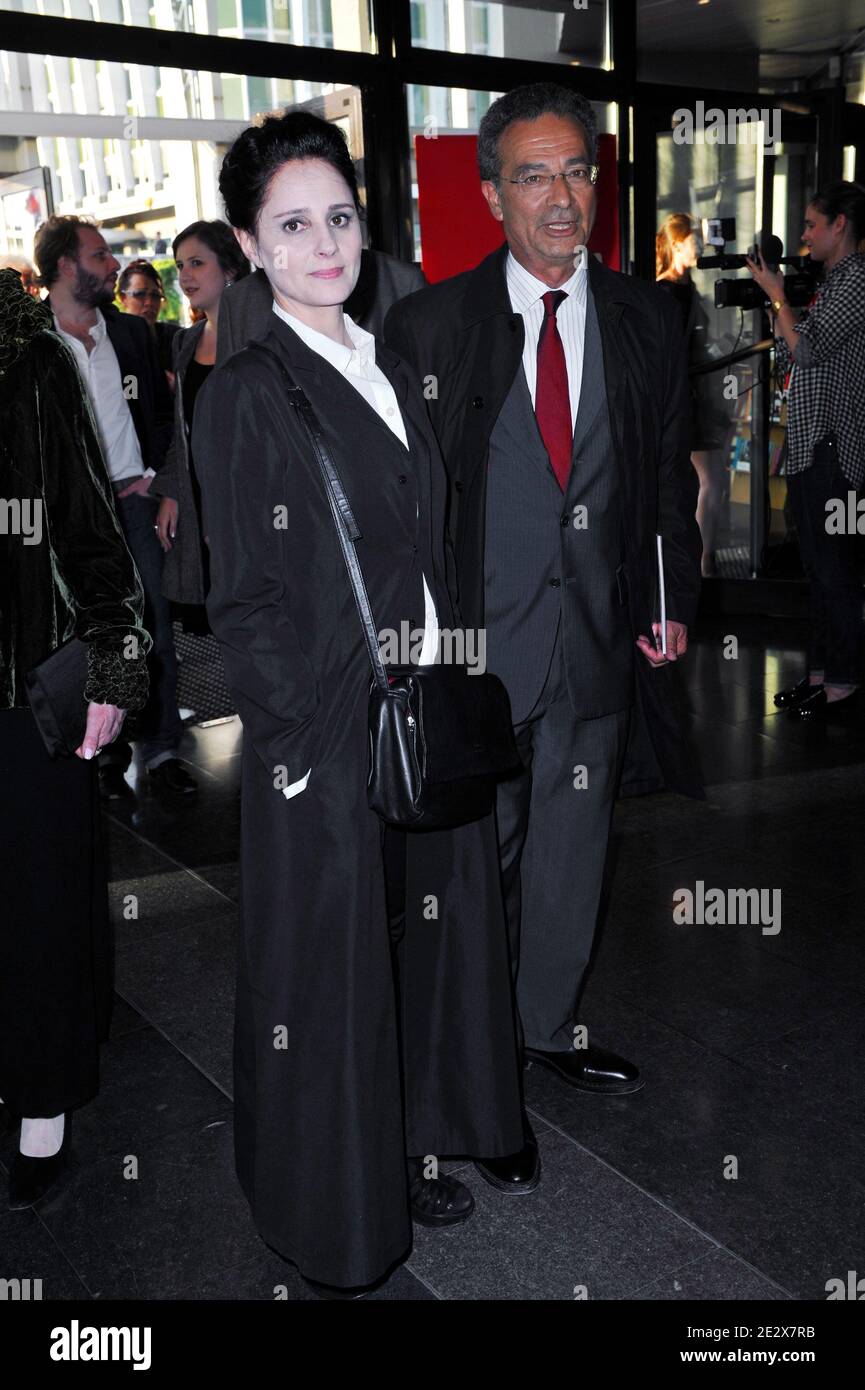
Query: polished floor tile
x: 734, y: 1174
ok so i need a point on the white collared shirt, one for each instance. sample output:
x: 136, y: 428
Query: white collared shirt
x: 360, y: 369
x: 100, y: 372
x: 526, y: 295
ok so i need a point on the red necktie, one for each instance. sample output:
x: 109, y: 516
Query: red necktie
x: 552, y: 400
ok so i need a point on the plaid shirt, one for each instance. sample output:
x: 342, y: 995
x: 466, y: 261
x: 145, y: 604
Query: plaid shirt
x: 827, y: 386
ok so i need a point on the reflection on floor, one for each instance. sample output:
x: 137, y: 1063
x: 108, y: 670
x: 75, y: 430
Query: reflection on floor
x: 734, y: 1174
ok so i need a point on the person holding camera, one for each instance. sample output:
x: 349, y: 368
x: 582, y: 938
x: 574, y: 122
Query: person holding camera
x: 823, y: 355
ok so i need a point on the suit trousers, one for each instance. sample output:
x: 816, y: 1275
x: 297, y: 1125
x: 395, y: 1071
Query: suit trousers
x: 553, y: 823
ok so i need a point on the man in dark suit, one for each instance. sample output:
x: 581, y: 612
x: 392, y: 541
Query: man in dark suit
x: 246, y: 312
x: 118, y: 364
x: 558, y: 392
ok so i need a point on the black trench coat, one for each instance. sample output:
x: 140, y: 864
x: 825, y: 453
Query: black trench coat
x: 322, y: 1124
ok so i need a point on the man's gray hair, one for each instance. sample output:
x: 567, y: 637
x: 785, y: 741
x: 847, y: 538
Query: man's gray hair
x: 527, y: 104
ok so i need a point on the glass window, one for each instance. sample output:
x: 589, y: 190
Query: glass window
x: 138, y: 148
x: 315, y: 23
x: 548, y: 31
x: 725, y: 180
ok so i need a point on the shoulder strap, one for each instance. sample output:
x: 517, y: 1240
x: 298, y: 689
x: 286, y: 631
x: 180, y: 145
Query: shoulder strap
x: 347, y: 528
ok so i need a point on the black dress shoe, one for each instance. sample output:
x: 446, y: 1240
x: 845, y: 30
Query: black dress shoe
x: 817, y: 709
x: 440, y: 1201
x: 172, y: 777
x: 591, y: 1069
x: 785, y: 699
x: 113, y: 785
x: 31, y: 1178
x: 517, y: 1173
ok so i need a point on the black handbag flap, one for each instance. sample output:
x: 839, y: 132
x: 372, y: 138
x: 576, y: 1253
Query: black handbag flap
x: 464, y: 723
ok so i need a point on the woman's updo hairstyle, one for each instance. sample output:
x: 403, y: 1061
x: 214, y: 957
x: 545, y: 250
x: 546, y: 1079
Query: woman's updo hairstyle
x: 261, y: 150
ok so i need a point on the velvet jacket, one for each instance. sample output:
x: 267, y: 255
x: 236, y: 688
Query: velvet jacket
x: 67, y: 571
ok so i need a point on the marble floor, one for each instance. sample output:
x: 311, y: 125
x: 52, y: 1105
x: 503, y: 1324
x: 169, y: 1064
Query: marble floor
x: 734, y: 1174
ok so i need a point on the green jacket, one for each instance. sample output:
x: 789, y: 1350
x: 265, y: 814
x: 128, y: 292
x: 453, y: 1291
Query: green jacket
x: 64, y: 567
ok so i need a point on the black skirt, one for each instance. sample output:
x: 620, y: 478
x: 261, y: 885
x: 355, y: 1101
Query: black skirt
x: 55, y: 937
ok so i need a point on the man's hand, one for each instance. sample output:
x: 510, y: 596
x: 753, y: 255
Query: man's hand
x: 104, y: 723
x: 677, y: 643
x: 166, y: 522
x: 141, y: 485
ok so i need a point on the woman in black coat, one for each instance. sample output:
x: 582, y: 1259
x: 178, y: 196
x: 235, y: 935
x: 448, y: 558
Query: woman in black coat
x: 347, y: 1058
x: 65, y: 572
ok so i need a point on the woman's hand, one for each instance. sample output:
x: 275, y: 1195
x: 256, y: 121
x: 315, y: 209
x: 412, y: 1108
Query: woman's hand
x: 166, y: 522
x: 771, y: 282
x: 104, y: 723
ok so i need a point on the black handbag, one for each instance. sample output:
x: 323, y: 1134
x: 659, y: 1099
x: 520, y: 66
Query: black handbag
x: 55, y: 689
x: 439, y: 738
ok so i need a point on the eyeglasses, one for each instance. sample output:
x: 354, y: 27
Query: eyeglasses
x: 581, y: 176
x: 146, y: 294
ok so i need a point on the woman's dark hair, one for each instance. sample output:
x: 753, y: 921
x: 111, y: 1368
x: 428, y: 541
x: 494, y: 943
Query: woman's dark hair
x: 139, y: 268
x: 220, y: 239
x: 527, y: 104
x: 848, y: 198
x: 262, y: 149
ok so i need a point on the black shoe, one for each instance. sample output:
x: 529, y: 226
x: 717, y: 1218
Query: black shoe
x: 786, y: 699
x: 31, y: 1178
x: 113, y: 785
x: 592, y: 1069
x: 517, y: 1173
x: 817, y: 709
x: 172, y: 777
x: 440, y: 1201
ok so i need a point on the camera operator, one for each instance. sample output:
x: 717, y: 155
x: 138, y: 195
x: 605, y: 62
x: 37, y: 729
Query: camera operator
x: 824, y: 357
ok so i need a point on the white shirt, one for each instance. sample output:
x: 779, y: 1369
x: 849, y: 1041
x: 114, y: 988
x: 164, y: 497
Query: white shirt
x: 360, y: 369
x: 100, y: 372
x: 526, y: 296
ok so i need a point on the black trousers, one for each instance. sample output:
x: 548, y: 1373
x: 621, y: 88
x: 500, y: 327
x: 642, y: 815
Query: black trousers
x: 55, y: 936
x: 831, y: 563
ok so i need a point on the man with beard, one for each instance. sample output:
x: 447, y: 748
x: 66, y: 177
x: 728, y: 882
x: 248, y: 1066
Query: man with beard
x: 117, y: 361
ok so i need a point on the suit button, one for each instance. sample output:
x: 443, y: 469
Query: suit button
x: 555, y: 583
x: 458, y: 487
x: 566, y: 520
x: 478, y: 402
x: 402, y: 478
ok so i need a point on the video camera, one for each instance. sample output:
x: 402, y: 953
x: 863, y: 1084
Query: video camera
x: 746, y: 293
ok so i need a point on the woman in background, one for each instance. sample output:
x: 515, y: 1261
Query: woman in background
x: 676, y: 251
x: 209, y: 261
x: 823, y: 354
x: 141, y: 291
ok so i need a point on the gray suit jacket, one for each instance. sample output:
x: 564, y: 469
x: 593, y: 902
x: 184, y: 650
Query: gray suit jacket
x: 246, y: 308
